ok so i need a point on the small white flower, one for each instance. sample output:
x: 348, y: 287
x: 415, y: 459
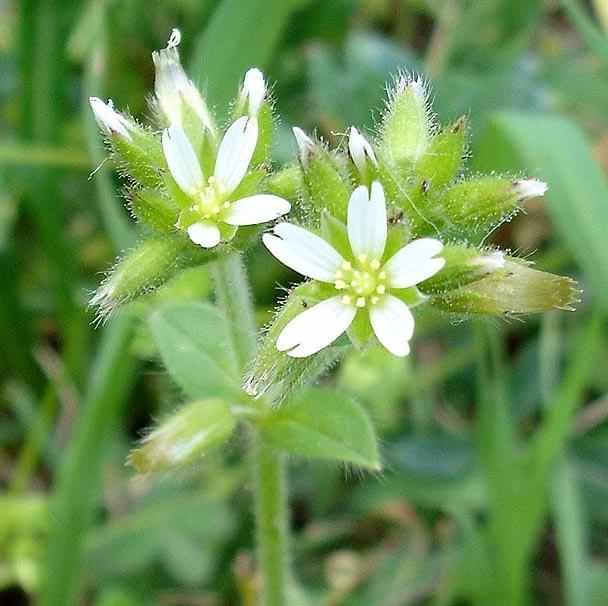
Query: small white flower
x: 212, y: 202
x: 108, y: 119
x: 530, y: 188
x: 362, y: 283
x: 361, y: 151
x: 254, y: 90
x: 305, y: 145
x: 174, y: 91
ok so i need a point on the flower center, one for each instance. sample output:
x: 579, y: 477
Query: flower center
x: 361, y: 282
x: 211, y: 200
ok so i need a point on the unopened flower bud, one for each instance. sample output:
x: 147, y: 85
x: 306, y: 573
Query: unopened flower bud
x: 529, y: 188
x: 254, y: 90
x: 145, y: 267
x: 326, y: 187
x: 361, y: 153
x: 185, y: 437
x: 109, y: 120
x: 179, y: 100
x: 408, y: 123
x: 514, y: 289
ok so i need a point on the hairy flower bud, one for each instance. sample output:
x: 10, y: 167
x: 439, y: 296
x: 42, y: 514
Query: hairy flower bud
x: 515, y: 289
x: 184, y: 438
x: 327, y: 189
x: 362, y: 154
x: 408, y: 123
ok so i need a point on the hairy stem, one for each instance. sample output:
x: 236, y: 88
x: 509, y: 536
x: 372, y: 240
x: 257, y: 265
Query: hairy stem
x: 234, y: 299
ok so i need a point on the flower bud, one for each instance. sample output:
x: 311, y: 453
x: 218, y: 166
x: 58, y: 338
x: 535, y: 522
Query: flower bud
x: 109, y: 120
x: 475, y: 206
x: 362, y: 155
x: 463, y: 265
x: 185, y: 437
x: 515, y: 289
x: 275, y: 374
x: 253, y: 92
x: 145, y: 267
x: 324, y: 183
x: 179, y: 101
x: 408, y: 122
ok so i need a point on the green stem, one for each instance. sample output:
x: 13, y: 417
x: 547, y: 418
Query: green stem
x: 234, y: 299
x: 271, y: 523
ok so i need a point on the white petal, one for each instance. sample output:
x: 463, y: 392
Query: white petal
x: 108, y: 119
x: 360, y: 150
x: 235, y: 152
x: 175, y: 38
x: 182, y: 160
x: 367, y: 221
x: 414, y: 263
x: 254, y: 89
x: 303, y: 252
x: 316, y: 328
x: 530, y: 188
x: 393, y: 324
x: 206, y: 235
x: 256, y: 209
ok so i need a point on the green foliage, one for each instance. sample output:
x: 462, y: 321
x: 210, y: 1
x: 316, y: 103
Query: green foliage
x: 193, y: 339
x: 323, y: 424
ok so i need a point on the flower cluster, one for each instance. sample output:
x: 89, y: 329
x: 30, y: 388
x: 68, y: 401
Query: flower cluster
x: 388, y: 223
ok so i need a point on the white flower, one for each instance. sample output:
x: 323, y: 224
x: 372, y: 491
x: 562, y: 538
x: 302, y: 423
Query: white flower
x: 108, y: 119
x: 361, y: 151
x: 212, y: 202
x: 530, y: 188
x: 254, y: 90
x: 362, y: 283
x: 175, y: 92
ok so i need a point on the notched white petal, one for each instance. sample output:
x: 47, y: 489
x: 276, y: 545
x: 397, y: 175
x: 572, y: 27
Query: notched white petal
x: 204, y: 234
x: 393, y: 325
x: 367, y: 226
x: 235, y: 152
x: 108, y: 119
x: 316, y: 328
x: 414, y: 263
x: 256, y: 209
x: 254, y: 89
x: 526, y: 189
x: 304, y: 252
x: 182, y: 160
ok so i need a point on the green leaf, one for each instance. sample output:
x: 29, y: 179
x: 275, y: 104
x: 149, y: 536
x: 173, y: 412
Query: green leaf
x: 324, y: 424
x: 558, y: 152
x: 193, y: 339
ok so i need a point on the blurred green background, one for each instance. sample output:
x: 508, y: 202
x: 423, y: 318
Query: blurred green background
x: 493, y: 432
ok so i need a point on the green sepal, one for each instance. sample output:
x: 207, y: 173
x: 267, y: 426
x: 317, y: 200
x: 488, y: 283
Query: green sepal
x: 182, y: 199
x: 286, y: 183
x: 266, y: 128
x: 250, y: 185
x: 325, y: 185
x: 334, y: 232
x: 227, y: 232
x: 408, y: 123
x: 360, y: 331
x: 184, y: 438
x: 473, y: 207
x: 140, y: 158
x: 518, y: 289
x: 412, y: 297
x: 397, y: 237
x: 324, y: 424
x: 145, y: 267
x: 463, y: 265
x: 154, y: 209
x: 443, y: 159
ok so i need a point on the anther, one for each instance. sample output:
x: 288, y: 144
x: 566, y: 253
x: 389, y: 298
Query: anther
x: 380, y: 289
x: 375, y: 300
x: 382, y: 275
x: 340, y: 284
x: 375, y: 264
x: 362, y: 257
x: 347, y: 300
x: 360, y: 302
x: 347, y: 266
